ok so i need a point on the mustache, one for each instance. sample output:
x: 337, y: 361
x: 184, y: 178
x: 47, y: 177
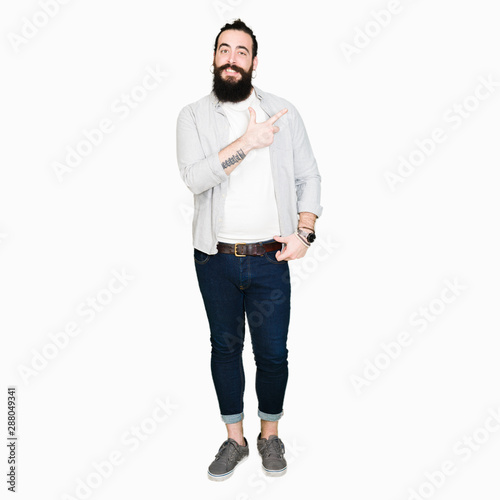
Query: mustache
x: 234, y: 68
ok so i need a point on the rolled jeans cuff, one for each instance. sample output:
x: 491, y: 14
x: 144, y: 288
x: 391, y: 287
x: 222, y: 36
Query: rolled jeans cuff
x: 232, y: 419
x: 269, y: 416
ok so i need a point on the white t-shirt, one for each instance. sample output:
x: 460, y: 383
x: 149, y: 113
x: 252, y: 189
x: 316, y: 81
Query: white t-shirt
x: 250, y: 209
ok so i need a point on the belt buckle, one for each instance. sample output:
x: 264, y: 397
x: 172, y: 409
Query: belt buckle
x: 236, y: 250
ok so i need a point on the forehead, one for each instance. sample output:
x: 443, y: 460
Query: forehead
x: 235, y: 38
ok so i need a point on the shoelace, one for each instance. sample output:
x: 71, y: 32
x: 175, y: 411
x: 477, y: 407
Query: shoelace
x: 273, y: 447
x: 227, y: 451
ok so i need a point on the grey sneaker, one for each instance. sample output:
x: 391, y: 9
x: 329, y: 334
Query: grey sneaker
x: 272, y: 451
x: 230, y: 455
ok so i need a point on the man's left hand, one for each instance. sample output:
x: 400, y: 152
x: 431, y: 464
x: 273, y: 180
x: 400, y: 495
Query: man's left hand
x: 294, y: 248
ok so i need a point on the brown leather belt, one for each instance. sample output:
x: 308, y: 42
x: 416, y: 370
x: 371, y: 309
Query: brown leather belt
x: 251, y: 249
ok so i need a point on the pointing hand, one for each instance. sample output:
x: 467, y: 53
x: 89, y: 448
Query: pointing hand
x: 261, y: 135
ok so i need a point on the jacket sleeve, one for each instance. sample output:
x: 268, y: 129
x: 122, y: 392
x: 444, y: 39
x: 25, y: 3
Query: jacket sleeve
x: 307, y: 178
x: 199, y: 171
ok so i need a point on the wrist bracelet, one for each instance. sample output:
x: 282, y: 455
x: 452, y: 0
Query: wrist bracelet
x: 302, y: 240
x: 304, y: 227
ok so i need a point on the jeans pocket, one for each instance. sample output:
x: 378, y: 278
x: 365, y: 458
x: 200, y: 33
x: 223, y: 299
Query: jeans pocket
x: 201, y: 257
x: 271, y: 257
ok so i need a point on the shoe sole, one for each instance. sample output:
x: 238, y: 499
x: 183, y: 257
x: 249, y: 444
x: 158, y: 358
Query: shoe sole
x: 227, y: 475
x: 274, y: 473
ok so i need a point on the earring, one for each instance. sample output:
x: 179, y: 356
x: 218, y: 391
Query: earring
x: 254, y: 71
x: 212, y: 69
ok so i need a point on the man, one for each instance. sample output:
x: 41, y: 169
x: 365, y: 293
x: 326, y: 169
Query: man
x: 256, y: 198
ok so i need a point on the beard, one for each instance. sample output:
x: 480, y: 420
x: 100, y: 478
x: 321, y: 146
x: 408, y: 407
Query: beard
x: 232, y: 89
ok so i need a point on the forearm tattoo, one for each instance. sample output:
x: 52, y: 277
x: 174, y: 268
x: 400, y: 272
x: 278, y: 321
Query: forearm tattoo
x: 237, y: 157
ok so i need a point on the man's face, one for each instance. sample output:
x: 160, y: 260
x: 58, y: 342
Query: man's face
x: 233, y: 66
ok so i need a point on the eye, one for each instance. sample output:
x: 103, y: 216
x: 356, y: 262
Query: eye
x: 243, y: 53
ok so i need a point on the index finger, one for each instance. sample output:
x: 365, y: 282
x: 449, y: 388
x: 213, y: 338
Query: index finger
x: 277, y: 116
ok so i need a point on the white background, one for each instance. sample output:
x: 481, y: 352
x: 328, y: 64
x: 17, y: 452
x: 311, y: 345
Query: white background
x: 383, y: 255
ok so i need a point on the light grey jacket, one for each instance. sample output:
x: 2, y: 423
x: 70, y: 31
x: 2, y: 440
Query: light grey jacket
x: 203, y: 131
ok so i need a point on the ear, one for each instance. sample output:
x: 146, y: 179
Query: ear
x: 255, y: 63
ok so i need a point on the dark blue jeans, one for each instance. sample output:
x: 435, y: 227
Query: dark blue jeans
x: 258, y: 287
